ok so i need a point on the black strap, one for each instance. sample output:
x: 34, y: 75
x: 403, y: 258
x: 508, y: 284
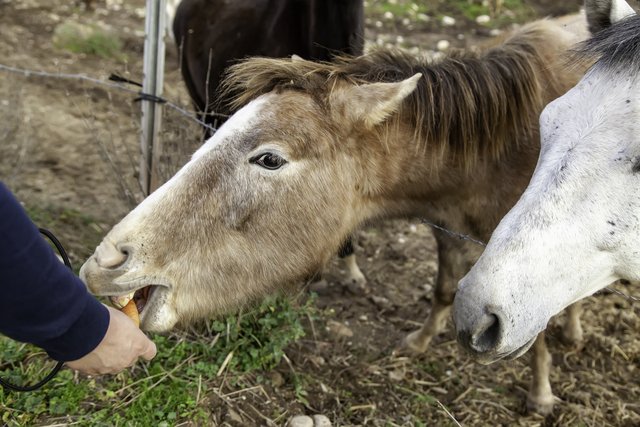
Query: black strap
x: 7, y: 385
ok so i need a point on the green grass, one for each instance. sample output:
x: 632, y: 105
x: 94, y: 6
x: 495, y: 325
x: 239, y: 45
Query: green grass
x: 170, y: 389
x: 88, y: 39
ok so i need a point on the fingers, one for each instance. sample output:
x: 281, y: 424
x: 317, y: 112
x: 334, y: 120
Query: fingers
x: 150, y: 351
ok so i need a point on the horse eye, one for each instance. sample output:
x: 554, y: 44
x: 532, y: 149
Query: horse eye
x: 269, y: 161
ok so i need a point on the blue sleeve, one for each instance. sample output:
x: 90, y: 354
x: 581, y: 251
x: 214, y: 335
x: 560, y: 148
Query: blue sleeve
x: 42, y: 302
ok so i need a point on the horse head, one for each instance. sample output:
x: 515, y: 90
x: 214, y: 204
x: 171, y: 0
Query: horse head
x: 261, y: 205
x: 576, y: 228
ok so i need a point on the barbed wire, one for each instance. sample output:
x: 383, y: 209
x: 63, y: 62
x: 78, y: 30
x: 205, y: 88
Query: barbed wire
x: 117, y: 86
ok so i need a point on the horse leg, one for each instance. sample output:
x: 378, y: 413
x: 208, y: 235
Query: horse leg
x: 572, y: 330
x: 448, y: 266
x: 355, y: 280
x: 540, y: 398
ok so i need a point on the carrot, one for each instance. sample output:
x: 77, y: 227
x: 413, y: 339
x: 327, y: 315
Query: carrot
x: 132, y: 312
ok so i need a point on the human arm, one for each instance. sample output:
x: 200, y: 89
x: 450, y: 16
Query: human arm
x: 44, y: 303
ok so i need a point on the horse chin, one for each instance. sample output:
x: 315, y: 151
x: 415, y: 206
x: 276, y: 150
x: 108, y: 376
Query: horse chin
x: 156, y: 314
x: 489, y: 358
x: 519, y: 352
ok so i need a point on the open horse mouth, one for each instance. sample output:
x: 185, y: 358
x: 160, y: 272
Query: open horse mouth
x: 140, y: 297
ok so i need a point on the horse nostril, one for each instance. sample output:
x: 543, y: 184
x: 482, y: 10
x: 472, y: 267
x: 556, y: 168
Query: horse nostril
x: 487, y: 334
x: 109, y: 256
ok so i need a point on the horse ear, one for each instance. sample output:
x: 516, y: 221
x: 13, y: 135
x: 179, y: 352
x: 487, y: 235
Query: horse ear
x: 372, y: 103
x: 602, y: 13
x: 296, y: 58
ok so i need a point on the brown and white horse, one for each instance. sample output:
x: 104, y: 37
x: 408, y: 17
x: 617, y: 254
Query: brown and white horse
x: 317, y: 150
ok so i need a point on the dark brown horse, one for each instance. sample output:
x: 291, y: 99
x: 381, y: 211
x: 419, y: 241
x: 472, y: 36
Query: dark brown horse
x: 212, y: 34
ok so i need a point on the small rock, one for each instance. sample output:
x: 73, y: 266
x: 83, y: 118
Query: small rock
x: 483, y: 19
x: 338, y: 329
x: 406, y: 22
x: 316, y: 360
x: 399, y: 39
x: 378, y: 24
x: 397, y: 375
x: 495, y: 32
x: 300, y: 421
x: 321, y: 421
x: 388, y: 15
x: 424, y: 17
x: 319, y: 286
x: 381, y: 302
x: 276, y: 379
x: 439, y: 390
x: 234, y: 416
x: 448, y: 21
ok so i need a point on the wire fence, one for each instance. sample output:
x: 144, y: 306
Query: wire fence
x: 111, y: 129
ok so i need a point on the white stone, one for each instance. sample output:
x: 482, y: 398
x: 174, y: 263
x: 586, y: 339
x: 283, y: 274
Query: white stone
x: 300, y: 421
x: 483, y: 19
x: 388, y: 15
x: 321, y: 421
x: 448, y: 21
x: 443, y: 45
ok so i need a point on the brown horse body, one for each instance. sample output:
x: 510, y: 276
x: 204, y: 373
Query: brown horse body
x: 320, y: 149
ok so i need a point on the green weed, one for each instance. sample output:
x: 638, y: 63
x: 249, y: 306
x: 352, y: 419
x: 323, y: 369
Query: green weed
x: 87, y: 39
x: 168, y: 390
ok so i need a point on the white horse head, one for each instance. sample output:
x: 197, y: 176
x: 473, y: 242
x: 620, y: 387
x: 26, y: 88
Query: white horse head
x: 576, y: 229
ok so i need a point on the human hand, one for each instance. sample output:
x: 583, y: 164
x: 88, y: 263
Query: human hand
x: 120, y: 348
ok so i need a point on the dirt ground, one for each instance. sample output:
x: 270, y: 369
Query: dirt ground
x: 71, y: 147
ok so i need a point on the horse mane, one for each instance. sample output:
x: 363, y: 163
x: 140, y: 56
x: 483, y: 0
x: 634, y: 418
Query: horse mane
x: 615, y: 48
x: 470, y: 105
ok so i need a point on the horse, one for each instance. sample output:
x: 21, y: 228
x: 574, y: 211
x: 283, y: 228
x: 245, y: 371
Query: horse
x: 211, y: 34
x: 575, y: 230
x: 316, y: 150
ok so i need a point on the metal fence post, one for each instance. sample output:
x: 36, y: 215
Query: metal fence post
x: 153, y: 70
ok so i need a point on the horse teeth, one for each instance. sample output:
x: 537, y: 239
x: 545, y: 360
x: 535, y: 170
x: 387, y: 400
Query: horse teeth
x: 122, y: 300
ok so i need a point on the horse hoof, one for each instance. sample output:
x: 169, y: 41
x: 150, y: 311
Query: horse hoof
x: 413, y: 343
x: 542, y: 405
x: 573, y: 338
x: 357, y: 284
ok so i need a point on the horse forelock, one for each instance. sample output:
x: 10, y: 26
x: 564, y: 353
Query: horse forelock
x: 469, y: 106
x: 616, y: 48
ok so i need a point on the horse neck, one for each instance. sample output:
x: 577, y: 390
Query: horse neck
x: 414, y: 179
